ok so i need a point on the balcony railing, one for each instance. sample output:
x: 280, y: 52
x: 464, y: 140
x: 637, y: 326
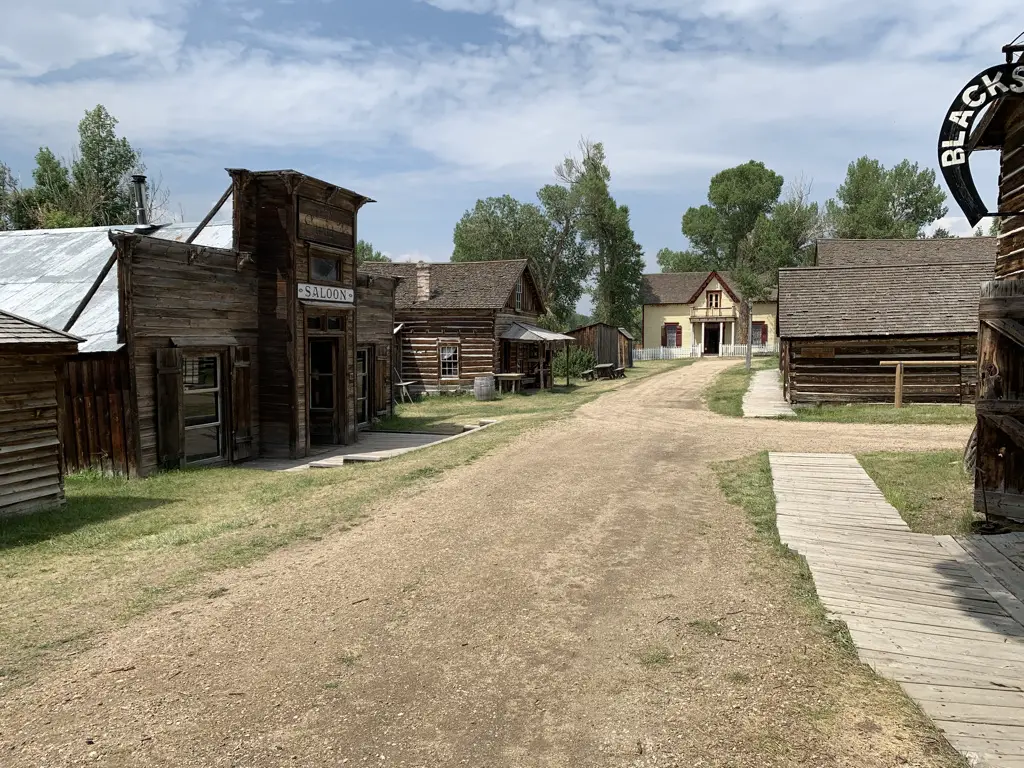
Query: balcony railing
x: 713, y: 313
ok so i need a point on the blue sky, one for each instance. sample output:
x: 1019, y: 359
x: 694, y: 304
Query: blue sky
x: 427, y: 105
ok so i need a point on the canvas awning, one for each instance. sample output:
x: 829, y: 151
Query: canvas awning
x: 527, y: 332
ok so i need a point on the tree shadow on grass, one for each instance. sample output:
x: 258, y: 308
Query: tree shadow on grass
x: 38, y: 527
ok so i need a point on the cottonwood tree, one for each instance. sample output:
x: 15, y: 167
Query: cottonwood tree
x: 366, y: 252
x: 879, y: 202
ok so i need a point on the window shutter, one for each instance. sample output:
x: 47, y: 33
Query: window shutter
x: 241, y: 404
x: 664, y: 335
x: 679, y: 335
x: 169, y: 394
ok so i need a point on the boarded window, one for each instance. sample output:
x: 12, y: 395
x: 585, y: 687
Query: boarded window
x: 201, y: 405
x: 449, y: 361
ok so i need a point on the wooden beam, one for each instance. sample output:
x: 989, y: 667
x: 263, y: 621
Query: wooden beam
x: 899, y: 385
x: 1011, y: 329
x: 209, y: 217
x: 1010, y: 425
x: 90, y: 293
x: 930, y: 363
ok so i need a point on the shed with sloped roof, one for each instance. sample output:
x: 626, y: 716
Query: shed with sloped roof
x: 837, y: 324
x: 31, y: 400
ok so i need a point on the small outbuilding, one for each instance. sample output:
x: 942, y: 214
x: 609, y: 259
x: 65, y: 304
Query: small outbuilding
x: 608, y: 343
x: 31, y: 415
x: 895, y: 300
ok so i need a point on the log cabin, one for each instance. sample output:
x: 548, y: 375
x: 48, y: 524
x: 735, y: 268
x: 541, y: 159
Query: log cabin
x: 704, y: 312
x: 607, y: 343
x: 457, y: 321
x: 31, y: 397
x: 214, y: 344
x: 891, y: 300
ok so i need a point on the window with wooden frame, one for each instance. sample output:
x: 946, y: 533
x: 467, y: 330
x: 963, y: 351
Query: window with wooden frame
x: 202, y: 406
x: 714, y: 299
x: 759, y: 332
x: 519, y: 294
x: 671, y: 335
x: 448, y: 355
x: 324, y: 268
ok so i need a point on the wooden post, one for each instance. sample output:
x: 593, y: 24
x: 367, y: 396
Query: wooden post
x: 565, y: 347
x: 899, y: 385
x: 721, y: 337
x: 750, y: 331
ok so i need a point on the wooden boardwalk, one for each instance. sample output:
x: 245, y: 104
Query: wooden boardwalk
x: 764, y: 398
x: 940, y: 615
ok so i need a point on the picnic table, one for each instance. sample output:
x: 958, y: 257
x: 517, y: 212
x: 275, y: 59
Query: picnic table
x: 514, y: 380
x: 605, y: 370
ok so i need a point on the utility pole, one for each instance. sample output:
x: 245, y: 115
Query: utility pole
x: 750, y: 331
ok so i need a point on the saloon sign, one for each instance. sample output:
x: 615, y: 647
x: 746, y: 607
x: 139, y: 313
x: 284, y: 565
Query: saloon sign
x: 984, y: 90
x: 327, y: 294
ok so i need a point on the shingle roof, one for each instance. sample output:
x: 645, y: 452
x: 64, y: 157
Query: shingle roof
x: 881, y: 301
x: 942, y: 250
x: 18, y: 330
x: 45, y: 274
x: 458, y: 285
x: 680, y: 287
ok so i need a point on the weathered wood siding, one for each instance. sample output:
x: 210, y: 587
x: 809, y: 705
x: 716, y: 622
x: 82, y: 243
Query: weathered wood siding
x: 1010, y: 257
x: 31, y: 476
x: 848, y: 371
x: 531, y: 302
x: 99, y: 422
x: 424, y: 331
x: 209, y: 305
x: 375, y: 324
x: 606, y: 343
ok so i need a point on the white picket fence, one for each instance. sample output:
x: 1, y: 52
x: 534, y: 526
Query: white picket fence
x: 725, y: 350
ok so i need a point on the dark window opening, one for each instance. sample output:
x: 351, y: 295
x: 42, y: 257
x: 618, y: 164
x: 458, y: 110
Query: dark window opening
x: 328, y: 270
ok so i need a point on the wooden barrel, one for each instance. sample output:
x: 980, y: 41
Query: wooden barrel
x: 999, y: 473
x: 483, y: 387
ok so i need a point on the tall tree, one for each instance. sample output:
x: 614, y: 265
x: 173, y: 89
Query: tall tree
x: 92, y: 189
x: 941, y: 233
x: 366, y: 252
x: 784, y: 238
x: 617, y: 258
x: 995, y: 227
x: 879, y: 202
x: 737, y: 198
x: 681, y: 261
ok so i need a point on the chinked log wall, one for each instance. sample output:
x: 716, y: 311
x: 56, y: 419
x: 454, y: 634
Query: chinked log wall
x: 425, y: 330
x: 848, y: 371
x: 208, y: 305
x: 30, y: 460
x: 999, y: 480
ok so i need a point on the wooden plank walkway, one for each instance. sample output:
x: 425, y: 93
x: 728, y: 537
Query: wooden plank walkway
x: 764, y: 398
x: 940, y: 615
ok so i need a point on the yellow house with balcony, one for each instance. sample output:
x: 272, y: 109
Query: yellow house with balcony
x: 703, y: 312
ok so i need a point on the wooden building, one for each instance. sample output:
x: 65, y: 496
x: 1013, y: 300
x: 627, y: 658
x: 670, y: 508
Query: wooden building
x: 216, y: 344
x: 702, y: 311
x: 838, y: 323
x: 999, y: 480
x: 31, y: 397
x: 607, y: 343
x: 457, y: 321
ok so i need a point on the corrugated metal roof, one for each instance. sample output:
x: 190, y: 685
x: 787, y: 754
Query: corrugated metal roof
x: 45, y: 274
x: 527, y: 332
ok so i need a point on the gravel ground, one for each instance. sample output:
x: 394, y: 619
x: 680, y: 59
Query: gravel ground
x: 582, y: 597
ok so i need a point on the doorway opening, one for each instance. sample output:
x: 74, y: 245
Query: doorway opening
x: 324, y: 426
x: 363, y: 409
x: 712, y: 339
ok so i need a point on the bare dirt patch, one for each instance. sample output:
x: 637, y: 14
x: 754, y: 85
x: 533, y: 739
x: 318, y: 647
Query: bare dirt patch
x: 500, y: 615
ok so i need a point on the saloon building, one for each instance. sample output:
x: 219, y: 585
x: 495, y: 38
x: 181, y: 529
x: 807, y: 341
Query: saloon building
x: 214, y: 344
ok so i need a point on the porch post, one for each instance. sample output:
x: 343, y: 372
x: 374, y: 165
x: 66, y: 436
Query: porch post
x: 721, y: 337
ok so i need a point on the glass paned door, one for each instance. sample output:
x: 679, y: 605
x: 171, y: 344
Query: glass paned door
x: 322, y: 391
x: 363, y: 386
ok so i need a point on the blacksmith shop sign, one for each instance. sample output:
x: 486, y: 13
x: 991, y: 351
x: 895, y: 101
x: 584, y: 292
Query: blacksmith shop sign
x: 985, y: 90
x: 326, y: 224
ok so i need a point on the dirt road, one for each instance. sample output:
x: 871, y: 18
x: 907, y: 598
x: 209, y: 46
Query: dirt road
x: 582, y: 597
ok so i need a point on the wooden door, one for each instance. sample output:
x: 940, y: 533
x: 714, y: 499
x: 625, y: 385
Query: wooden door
x: 363, y: 390
x: 323, y: 389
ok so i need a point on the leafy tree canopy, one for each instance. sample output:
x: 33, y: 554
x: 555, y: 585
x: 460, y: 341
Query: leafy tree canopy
x: 879, y: 202
x: 366, y: 252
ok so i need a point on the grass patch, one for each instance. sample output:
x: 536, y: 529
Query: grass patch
x: 123, y: 547
x: 707, y: 627
x: 914, y: 413
x: 931, y: 490
x: 739, y: 678
x: 724, y: 395
x: 747, y: 483
x: 656, y: 656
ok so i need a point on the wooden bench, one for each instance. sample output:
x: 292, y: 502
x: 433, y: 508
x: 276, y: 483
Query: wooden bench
x: 619, y: 373
x: 588, y: 375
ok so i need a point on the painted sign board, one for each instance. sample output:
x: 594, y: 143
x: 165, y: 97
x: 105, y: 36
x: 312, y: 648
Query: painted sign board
x: 320, y: 223
x: 984, y: 90
x: 329, y: 294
